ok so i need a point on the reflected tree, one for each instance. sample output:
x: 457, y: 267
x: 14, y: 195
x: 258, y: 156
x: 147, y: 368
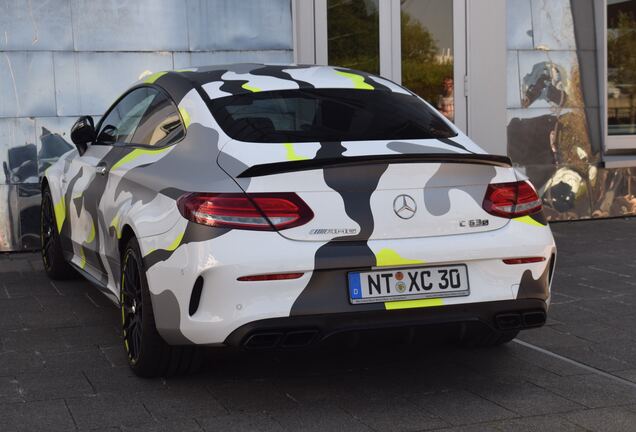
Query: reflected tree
x: 423, y: 69
x: 353, y: 30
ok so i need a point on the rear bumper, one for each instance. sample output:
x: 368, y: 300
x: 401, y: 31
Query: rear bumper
x: 300, y: 331
x: 224, y: 304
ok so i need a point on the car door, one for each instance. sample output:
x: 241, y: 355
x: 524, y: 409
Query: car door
x: 126, y: 195
x: 87, y: 181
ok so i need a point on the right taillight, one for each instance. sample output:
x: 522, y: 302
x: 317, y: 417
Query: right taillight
x: 511, y: 200
x: 257, y: 211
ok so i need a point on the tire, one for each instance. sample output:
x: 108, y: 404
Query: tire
x: 148, y: 354
x: 56, y: 267
x: 485, y: 337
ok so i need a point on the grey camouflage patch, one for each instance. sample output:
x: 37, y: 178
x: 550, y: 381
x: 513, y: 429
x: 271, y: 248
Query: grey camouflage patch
x: 436, y: 190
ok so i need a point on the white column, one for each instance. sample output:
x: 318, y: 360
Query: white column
x: 486, y: 40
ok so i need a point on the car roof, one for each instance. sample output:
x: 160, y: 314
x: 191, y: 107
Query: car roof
x: 243, y: 78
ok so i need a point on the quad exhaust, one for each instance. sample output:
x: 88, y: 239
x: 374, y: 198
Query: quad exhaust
x: 520, y: 320
x: 302, y: 338
x: 283, y: 339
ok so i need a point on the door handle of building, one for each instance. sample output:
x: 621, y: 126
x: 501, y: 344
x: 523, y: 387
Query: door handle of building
x: 101, y: 169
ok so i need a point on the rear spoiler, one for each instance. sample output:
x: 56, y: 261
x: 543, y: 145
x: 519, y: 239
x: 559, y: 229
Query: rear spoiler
x: 344, y: 161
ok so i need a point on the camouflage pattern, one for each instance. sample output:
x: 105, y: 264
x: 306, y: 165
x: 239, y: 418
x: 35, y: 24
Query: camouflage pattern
x: 354, y: 225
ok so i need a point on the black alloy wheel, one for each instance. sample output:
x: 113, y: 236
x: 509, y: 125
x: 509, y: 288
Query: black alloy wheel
x: 131, y: 307
x: 55, y: 265
x: 148, y: 353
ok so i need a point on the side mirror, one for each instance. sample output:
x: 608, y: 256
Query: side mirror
x: 83, y: 132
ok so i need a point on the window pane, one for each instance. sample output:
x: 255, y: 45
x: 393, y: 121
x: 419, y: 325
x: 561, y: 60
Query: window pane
x: 160, y: 124
x: 327, y: 115
x: 427, y: 52
x: 121, y: 122
x: 621, y: 67
x: 353, y: 33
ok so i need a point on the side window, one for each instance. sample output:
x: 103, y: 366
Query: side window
x: 122, y: 120
x: 160, y: 124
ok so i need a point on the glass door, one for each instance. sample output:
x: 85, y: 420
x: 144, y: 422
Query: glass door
x: 428, y: 52
x: 353, y: 34
x: 420, y: 44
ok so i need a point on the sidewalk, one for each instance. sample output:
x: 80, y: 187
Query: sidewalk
x: 62, y: 366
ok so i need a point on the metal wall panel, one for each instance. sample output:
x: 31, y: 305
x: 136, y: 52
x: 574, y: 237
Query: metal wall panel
x: 215, y: 25
x: 52, y: 135
x: 566, y: 192
x: 550, y: 78
x: 552, y: 25
x: 545, y: 136
x: 9, y: 218
x: 513, y: 90
x: 519, y: 24
x: 29, y: 199
x: 35, y: 25
x: 87, y: 83
x: 188, y: 59
x: 60, y: 59
x: 614, y: 192
x: 18, y: 163
x: 555, y: 136
x: 26, y: 84
x: 141, y: 25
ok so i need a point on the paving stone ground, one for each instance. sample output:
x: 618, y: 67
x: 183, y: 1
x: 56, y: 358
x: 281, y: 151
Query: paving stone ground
x: 62, y: 366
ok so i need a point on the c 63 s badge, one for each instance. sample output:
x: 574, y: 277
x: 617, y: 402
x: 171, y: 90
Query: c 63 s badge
x: 473, y: 223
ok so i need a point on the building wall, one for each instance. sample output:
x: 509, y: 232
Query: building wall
x: 554, y: 121
x: 63, y: 58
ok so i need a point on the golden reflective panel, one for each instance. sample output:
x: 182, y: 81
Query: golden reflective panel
x: 427, y: 52
x: 353, y: 34
x: 621, y: 67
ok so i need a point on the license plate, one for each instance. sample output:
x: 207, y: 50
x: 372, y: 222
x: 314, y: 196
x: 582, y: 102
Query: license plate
x: 408, y: 284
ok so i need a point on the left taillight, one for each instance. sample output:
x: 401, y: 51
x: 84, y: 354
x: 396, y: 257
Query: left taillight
x: 257, y: 211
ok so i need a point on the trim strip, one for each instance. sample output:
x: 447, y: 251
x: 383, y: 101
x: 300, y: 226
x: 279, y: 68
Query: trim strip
x: 411, y: 304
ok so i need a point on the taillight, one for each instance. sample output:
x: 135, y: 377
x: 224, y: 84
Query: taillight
x: 257, y: 211
x: 511, y: 200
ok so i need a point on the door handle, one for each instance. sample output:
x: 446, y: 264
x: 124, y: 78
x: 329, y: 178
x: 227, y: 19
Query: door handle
x: 101, y: 169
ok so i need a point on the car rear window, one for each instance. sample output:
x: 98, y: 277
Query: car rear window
x: 312, y: 115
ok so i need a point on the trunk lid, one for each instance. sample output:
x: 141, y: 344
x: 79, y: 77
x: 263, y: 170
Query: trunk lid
x: 374, y: 190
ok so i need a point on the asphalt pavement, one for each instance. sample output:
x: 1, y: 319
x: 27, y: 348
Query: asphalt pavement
x: 62, y: 366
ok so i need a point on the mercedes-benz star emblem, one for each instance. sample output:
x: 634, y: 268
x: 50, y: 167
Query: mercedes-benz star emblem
x: 404, y: 206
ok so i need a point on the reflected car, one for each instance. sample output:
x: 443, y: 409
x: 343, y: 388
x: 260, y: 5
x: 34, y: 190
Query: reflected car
x: 263, y: 206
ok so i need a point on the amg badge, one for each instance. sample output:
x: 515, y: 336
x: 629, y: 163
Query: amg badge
x: 334, y: 231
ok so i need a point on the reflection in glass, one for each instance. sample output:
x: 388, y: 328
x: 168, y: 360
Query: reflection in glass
x: 353, y: 33
x: 614, y: 193
x: 427, y: 52
x: 621, y: 67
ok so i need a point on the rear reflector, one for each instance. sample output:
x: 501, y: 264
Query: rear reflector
x: 270, y: 277
x: 527, y: 260
x: 259, y: 211
x: 511, y: 200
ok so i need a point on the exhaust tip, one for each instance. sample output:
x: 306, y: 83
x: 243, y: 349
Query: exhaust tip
x: 262, y: 340
x: 534, y: 318
x: 508, y: 321
x: 299, y: 339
